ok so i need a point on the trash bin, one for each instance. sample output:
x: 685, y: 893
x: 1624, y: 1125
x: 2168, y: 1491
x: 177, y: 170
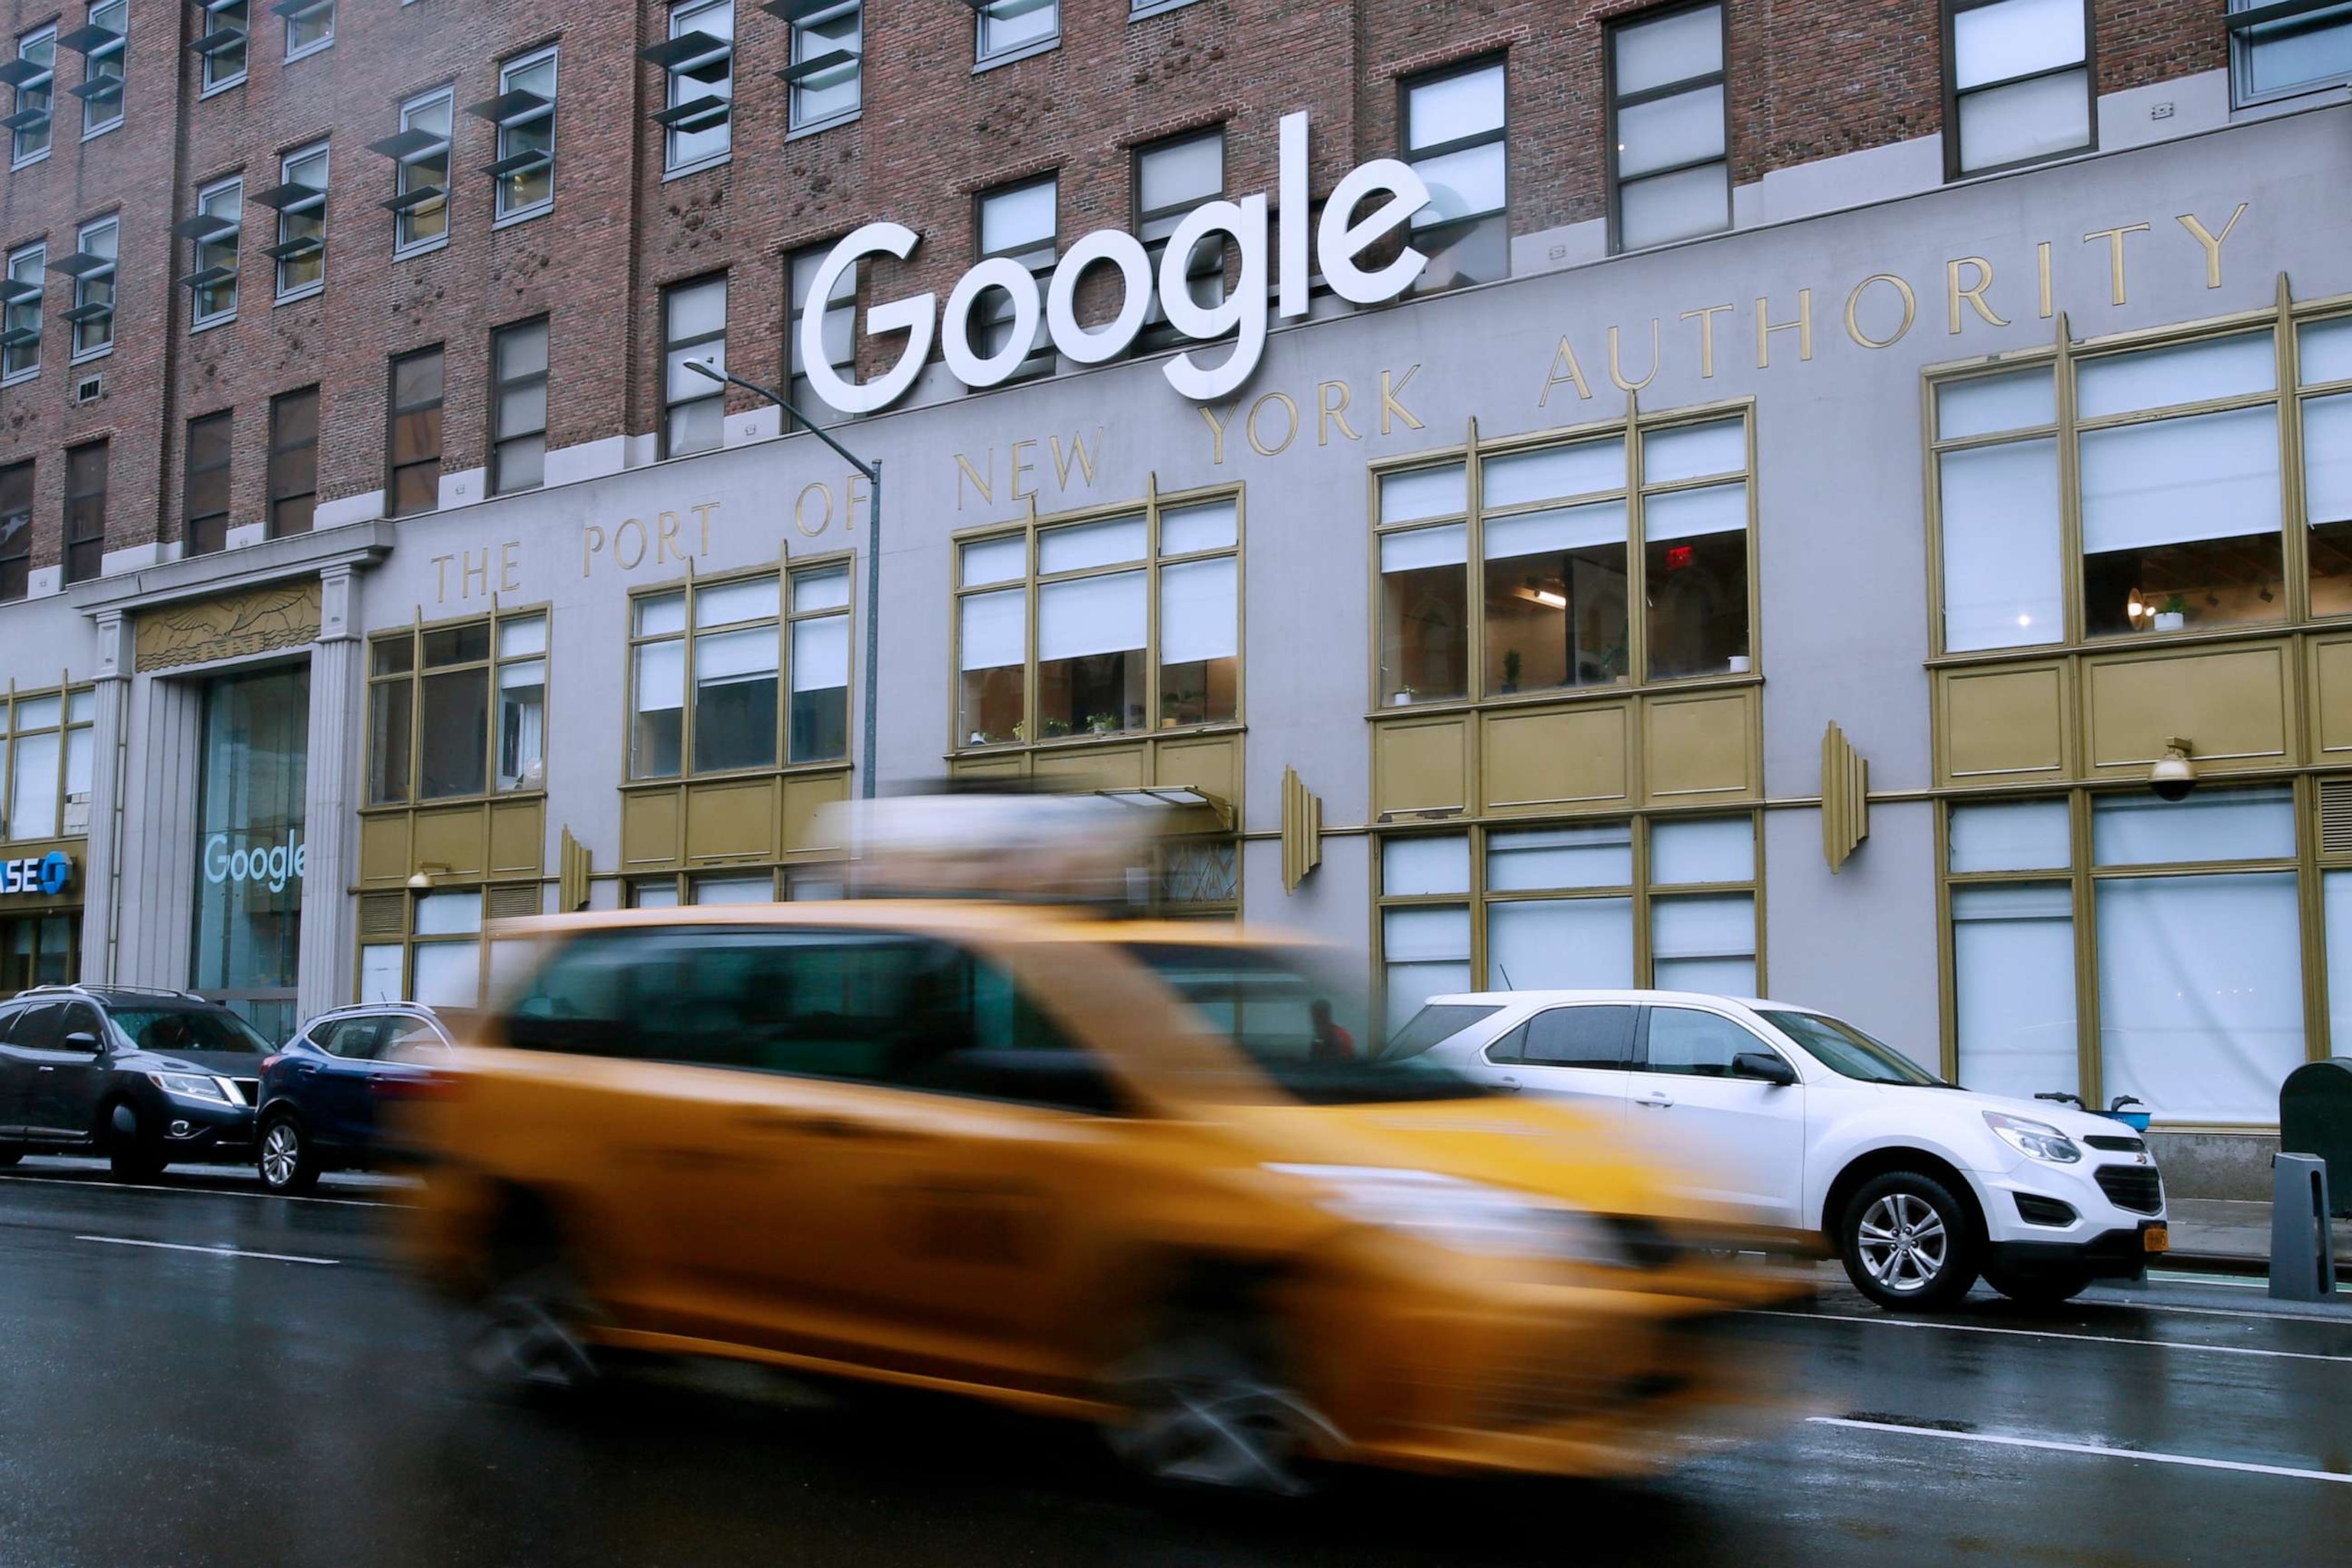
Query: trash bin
x: 2315, y: 1118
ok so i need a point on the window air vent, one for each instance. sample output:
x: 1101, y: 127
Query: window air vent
x: 88, y: 389
x: 519, y: 903
x: 2335, y: 816
x: 384, y: 914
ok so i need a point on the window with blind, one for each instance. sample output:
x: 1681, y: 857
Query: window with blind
x: 293, y: 461
x: 1095, y: 592
x: 457, y: 711
x: 204, y: 497
x: 1455, y: 123
x: 412, y: 440
x: 518, y: 406
x: 48, y: 749
x: 730, y: 674
x: 85, y: 512
x: 1669, y: 126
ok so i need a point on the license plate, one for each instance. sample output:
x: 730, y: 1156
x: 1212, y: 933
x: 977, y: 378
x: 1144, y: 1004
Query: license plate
x: 2155, y: 1239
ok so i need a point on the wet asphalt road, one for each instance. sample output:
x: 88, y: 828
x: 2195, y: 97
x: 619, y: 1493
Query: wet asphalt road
x: 162, y: 1406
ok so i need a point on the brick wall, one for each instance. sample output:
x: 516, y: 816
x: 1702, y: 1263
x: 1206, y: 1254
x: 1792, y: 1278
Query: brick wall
x: 1809, y: 79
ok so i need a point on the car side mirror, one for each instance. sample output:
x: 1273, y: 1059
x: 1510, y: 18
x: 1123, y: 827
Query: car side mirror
x: 1764, y: 1065
x: 84, y: 1041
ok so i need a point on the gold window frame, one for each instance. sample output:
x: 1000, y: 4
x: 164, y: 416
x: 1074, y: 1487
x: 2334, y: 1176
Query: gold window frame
x: 66, y: 726
x: 413, y: 677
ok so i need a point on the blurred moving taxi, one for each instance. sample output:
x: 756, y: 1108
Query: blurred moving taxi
x: 1161, y: 1176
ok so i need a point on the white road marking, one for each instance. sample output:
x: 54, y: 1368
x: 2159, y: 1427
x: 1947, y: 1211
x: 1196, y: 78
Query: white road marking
x: 201, y: 1192
x: 211, y: 1251
x: 2051, y: 1445
x: 2047, y: 1335
x: 2283, y: 1314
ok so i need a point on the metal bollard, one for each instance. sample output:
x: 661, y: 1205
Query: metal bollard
x: 2302, y: 1248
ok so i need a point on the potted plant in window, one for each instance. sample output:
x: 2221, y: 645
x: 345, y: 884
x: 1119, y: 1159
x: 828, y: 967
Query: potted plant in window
x: 1103, y: 723
x: 1511, y: 666
x: 1056, y: 727
x: 2173, y: 614
x: 1405, y: 695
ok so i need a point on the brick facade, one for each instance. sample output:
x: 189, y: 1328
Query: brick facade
x: 1808, y: 79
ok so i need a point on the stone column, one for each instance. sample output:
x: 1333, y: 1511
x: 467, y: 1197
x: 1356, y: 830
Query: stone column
x: 330, y: 820
x: 101, y: 890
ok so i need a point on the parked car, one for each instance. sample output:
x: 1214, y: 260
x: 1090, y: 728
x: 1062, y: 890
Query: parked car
x: 146, y: 1078
x: 1135, y: 1172
x: 1801, y: 1122
x: 324, y: 1091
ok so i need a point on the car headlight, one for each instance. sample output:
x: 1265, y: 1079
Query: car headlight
x: 1468, y: 1217
x: 190, y: 1085
x: 2039, y: 1139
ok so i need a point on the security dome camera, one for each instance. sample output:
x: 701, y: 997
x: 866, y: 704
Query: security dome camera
x: 2174, y: 774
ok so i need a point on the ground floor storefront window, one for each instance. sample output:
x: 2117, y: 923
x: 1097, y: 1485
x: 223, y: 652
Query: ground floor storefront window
x: 1668, y: 901
x: 40, y: 949
x: 2170, y: 935
x: 439, y: 947
x: 250, y: 855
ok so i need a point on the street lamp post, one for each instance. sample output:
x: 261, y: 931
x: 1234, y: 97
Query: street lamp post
x: 873, y: 472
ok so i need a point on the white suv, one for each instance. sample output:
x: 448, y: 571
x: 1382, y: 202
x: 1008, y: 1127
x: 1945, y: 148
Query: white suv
x: 1793, y: 1121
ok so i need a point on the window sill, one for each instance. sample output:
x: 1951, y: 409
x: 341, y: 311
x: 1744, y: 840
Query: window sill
x: 40, y: 157
x: 1958, y: 176
x: 2127, y: 642
x: 818, y: 128
x: 1149, y: 8
x: 207, y: 323
x: 2320, y: 92
x: 21, y: 377
x: 1727, y: 681
x: 738, y: 776
x: 308, y: 292
x: 220, y: 87
x: 422, y: 247
x: 91, y: 356
x: 522, y: 216
x: 304, y: 53
x: 1026, y: 51
x: 444, y: 802
x: 91, y: 133
x: 683, y: 170
x: 1115, y: 738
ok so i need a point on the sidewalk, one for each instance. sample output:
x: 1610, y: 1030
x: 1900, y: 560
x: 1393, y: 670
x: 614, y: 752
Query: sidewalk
x: 2226, y: 1230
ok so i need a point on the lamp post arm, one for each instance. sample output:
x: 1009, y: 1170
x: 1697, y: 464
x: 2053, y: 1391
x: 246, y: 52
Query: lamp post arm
x: 780, y: 401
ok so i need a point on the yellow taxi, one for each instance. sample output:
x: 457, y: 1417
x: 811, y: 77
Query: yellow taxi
x: 1157, y: 1175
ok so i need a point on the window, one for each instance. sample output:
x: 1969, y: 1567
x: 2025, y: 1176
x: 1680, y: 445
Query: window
x: 50, y: 743
x: 16, y: 529
x: 222, y: 45
x: 1172, y: 178
x: 699, y: 63
x: 20, y: 346
x: 92, y: 265
x: 420, y: 186
x: 34, y: 75
x: 826, y: 72
x: 300, y: 199
x: 2013, y: 947
x: 1010, y: 27
x: 518, y: 406
x: 2018, y: 82
x: 1092, y: 670
x: 213, y: 235
x: 1584, y: 1037
x: 524, y: 113
x: 840, y: 325
x: 722, y: 642
x: 413, y: 448
x: 205, y: 504
x: 85, y: 512
x: 1454, y: 138
x: 2179, y: 504
x: 2324, y: 361
x: 1019, y: 222
x: 457, y: 711
x: 310, y: 26
x: 694, y: 327
x: 1686, y: 1043
x: 293, y: 462
x: 2279, y: 47
x: 1667, y: 901
x: 101, y: 42
x: 1669, y: 127
x: 1555, y: 540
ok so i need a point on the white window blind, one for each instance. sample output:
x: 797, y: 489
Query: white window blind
x: 733, y: 657
x: 2014, y: 988
x: 1213, y: 526
x: 2241, y: 366
x: 2327, y: 458
x: 1987, y: 404
x: 995, y: 630
x: 1091, y: 615
x: 2011, y: 835
x: 2209, y: 476
x: 1560, y: 943
x: 1412, y: 867
x: 1600, y: 855
x: 2003, y: 575
x: 729, y: 602
x: 1424, y: 547
x: 1554, y: 473
x: 2212, y: 824
x: 1425, y: 492
x: 1197, y: 611
x: 1105, y: 543
x: 1544, y: 532
x: 1694, y: 452
x: 821, y: 654
x: 1687, y: 514
x: 1709, y: 849
x: 987, y: 560
x: 661, y: 677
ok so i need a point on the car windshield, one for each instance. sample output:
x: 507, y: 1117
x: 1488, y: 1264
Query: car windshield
x: 1436, y: 1021
x: 1301, y: 1019
x: 1847, y: 1051
x: 169, y: 1029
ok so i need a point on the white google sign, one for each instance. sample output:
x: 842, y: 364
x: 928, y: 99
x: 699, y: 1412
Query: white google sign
x: 1339, y: 246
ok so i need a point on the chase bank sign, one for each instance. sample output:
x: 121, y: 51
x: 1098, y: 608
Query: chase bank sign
x: 1339, y: 246
x: 49, y: 876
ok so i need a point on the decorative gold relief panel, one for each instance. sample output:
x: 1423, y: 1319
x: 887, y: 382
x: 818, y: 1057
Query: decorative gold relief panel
x: 1421, y: 764
x: 1704, y: 746
x: 2231, y: 704
x: 2008, y: 722
x: 234, y: 626
x: 1556, y: 759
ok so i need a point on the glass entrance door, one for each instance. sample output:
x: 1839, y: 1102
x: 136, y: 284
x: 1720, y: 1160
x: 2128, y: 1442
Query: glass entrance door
x: 250, y: 855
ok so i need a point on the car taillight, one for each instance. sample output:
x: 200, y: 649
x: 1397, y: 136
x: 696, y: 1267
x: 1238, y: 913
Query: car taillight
x: 268, y: 1062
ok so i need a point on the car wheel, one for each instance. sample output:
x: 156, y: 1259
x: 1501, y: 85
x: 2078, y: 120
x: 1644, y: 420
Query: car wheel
x: 288, y: 1162
x: 528, y: 1337
x: 2039, y: 1289
x: 130, y: 1154
x: 1908, y: 1242
x: 1208, y: 1400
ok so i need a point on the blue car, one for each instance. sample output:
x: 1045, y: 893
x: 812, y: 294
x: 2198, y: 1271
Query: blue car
x: 322, y: 1093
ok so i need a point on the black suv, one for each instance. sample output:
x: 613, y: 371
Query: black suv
x: 145, y: 1077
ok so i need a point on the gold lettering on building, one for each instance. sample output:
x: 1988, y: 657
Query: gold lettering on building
x: 631, y: 542
x: 800, y: 510
x: 626, y: 555
x: 510, y: 566
x: 1973, y: 293
x: 984, y: 483
x: 1217, y: 430
x: 1079, y: 455
x: 666, y: 527
x: 1564, y: 368
x: 1616, y: 370
x: 2042, y: 256
x: 1854, y: 305
x: 1289, y: 434
x: 1022, y: 466
x: 2211, y: 241
x: 1704, y: 316
x: 1766, y: 326
x: 1328, y: 413
x: 2115, y: 238
x: 979, y: 476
